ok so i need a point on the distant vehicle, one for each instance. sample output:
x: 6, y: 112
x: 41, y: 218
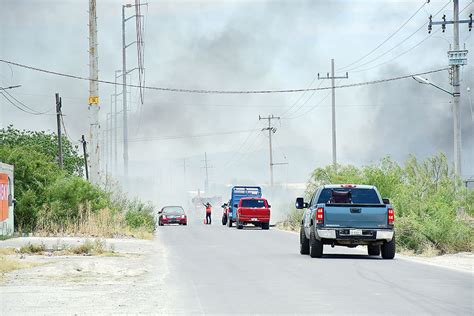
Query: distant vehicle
x: 172, y: 215
x: 254, y: 211
x: 238, y: 193
x: 347, y: 215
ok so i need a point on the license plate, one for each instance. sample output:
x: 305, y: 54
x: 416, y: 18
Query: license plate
x: 254, y: 219
x: 355, y: 232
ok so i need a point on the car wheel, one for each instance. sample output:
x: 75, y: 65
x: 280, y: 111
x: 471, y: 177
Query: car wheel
x: 315, y: 246
x: 304, y: 242
x: 160, y: 223
x: 373, y: 250
x: 239, y: 224
x: 388, y: 249
x: 265, y: 226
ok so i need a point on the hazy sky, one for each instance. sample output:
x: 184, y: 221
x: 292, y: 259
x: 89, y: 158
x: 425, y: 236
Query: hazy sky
x: 245, y: 45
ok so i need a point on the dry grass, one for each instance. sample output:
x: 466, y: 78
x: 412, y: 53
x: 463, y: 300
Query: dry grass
x: 105, y: 223
x: 8, y: 264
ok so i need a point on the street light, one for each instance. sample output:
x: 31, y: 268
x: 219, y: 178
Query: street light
x: 422, y: 80
x: 10, y: 87
x: 456, y: 124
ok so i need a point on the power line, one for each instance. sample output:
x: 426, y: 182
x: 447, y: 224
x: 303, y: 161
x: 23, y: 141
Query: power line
x: 21, y: 108
x: 202, y: 91
x: 399, y: 43
x: 30, y: 109
x: 399, y: 55
x: 144, y: 139
x: 388, y: 38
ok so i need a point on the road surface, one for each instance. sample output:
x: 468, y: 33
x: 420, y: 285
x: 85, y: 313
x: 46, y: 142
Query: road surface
x: 202, y: 269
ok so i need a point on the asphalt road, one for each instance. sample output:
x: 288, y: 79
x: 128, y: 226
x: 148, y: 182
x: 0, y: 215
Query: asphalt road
x: 220, y: 270
x: 202, y: 269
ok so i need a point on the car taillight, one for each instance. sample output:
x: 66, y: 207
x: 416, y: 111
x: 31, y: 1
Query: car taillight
x: 391, y: 216
x: 320, y: 215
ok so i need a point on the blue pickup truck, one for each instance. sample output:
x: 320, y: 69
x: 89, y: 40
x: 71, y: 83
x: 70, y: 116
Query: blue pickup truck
x: 347, y: 215
x: 238, y: 193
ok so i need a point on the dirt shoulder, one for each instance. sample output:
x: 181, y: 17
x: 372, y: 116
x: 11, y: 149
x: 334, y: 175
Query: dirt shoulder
x: 79, y: 283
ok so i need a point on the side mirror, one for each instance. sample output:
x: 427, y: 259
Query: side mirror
x: 235, y: 205
x: 300, y: 203
x: 386, y: 201
x: 269, y: 206
x: 160, y: 212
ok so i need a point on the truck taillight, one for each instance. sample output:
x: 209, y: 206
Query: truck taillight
x: 320, y: 215
x: 391, y: 216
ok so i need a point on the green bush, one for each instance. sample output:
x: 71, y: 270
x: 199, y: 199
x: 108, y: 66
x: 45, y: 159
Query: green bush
x: 426, y: 196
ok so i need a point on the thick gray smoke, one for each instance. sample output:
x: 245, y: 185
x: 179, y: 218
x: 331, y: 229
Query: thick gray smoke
x: 240, y: 45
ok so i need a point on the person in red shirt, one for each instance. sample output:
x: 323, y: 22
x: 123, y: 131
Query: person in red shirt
x: 208, y: 207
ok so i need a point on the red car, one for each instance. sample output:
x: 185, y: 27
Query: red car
x: 172, y: 215
x: 254, y: 211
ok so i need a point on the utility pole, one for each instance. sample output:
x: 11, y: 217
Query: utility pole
x: 94, y: 130
x: 84, y: 150
x: 58, y: 120
x: 116, y: 123
x: 124, y: 94
x: 124, y: 82
x: 270, y: 130
x: 333, y: 77
x: 207, y: 167
x: 457, y: 58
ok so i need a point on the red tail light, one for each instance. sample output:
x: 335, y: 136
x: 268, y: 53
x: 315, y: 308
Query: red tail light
x: 391, y: 216
x: 320, y: 215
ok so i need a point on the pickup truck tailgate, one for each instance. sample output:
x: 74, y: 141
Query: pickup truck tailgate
x: 373, y: 216
x: 250, y: 212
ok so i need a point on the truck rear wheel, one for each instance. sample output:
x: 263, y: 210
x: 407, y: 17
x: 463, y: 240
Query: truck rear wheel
x: 373, y: 250
x: 239, y: 224
x: 265, y: 226
x: 315, y: 246
x: 388, y: 249
x: 229, y: 222
x: 224, y: 219
x: 304, y: 242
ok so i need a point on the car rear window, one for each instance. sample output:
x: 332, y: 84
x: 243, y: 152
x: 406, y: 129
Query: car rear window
x: 175, y: 210
x: 253, y: 203
x: 359, y: 196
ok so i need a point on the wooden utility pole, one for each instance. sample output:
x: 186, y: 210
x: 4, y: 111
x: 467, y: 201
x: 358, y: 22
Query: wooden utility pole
x: 58, y: 121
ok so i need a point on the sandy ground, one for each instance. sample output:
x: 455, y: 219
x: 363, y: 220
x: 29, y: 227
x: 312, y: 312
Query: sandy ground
x: 82, y: 283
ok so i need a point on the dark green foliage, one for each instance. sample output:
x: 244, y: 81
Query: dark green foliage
x: 45, y: 143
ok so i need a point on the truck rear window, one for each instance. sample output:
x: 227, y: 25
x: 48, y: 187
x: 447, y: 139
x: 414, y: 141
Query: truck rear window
x: 359, y: 196
x: 253, y: 203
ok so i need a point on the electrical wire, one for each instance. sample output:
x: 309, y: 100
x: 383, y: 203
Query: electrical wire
x: 144, y: 139
x: 388, y: 38
x: 26, y: 106
x: 399, y: 55
x: 398, y: 44
x: 202, y: 91
x: 19, y: 107
x: 300, y: 97
x: 306, y: 101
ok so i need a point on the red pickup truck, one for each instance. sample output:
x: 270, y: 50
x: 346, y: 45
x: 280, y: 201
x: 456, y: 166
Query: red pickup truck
x: 254, y: 211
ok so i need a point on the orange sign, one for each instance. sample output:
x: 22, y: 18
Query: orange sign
x: 3, y: 196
